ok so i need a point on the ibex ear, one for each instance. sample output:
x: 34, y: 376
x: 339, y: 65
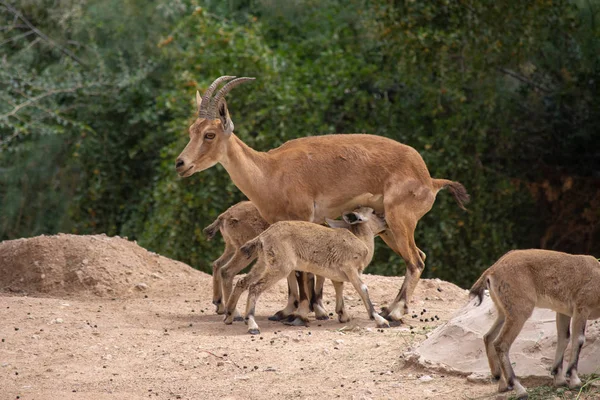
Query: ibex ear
x: 353, y: 218
x: 198, y: 100
x: 334, y: 223
x: 223, y: 113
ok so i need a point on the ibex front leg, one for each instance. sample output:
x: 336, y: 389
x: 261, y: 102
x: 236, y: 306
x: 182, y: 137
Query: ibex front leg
x: 218, y: 300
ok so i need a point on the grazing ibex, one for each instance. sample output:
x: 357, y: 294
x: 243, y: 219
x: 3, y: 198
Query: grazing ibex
x: 524, y: 279
x: 318, y: 177
x: 338, y: 254
x: 238, y: 224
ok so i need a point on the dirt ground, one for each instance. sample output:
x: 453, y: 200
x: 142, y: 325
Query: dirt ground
x: 93, y: 317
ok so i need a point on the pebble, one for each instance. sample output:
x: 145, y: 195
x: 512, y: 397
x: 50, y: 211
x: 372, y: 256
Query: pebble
x: 141, y: 286
x: 426, y: 378
x: 477, y: 378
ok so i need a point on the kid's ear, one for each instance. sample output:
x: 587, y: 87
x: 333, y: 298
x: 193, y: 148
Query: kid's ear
x: 334, y: 223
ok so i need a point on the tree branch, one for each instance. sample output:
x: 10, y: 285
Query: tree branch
x: 22, y: 35
x: 40, y: 33
x: 523, y: 79
x: 41, y: 96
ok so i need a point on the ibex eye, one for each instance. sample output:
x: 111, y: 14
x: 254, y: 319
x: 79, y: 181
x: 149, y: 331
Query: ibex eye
x: 209, y: 136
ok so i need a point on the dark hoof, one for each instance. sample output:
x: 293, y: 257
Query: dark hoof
x: 386, y: 314
x: 254, y: 331
x: 239, y: 318
x: 495, y: 378
x: 506, y: 389
x: 395, y: 323
x: 279, y: 315
x: 296, y: 320
x: 219, y: 312
x: 322, y: 317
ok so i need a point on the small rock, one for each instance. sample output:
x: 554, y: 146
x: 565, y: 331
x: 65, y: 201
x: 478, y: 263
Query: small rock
x: 426, y: 378
x: 270, y: 369
x: 141, y: 286
x: 477, y: 378
x: 338, y: 341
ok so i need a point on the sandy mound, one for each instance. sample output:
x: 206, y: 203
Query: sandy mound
x: 98, y: 265
x: 458, y: 345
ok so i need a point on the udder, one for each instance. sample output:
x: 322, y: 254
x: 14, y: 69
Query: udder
x: 333, y: 208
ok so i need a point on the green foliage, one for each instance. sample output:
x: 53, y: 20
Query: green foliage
x: 499, y: 96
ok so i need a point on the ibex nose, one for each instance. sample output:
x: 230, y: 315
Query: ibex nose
x: 179, y: 163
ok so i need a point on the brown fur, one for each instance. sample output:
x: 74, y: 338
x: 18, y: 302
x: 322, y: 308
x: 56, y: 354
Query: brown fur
x: 318, y: 177
x: 338, y: 254
x: 524, y: 279
x: 240, y: 223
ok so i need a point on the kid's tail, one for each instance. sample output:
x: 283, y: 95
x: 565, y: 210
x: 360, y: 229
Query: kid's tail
x: 479, y: 288
x: 251, y: 247
x: 211, y: 230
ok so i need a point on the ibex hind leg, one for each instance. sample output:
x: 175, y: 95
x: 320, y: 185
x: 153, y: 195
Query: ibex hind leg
x: 236, y: 264
x: 563, y: 334
x: 577, y: 341
x: 231, y: 313
x: 513, y: 324
x: 488, y: 340
x: 266, y: 281
x: 400, y: 239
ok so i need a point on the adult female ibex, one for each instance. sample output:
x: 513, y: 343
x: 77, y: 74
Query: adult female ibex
x: 524, y: 279
x: 318, y: 177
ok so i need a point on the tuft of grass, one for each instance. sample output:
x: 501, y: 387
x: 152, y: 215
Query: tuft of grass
x: 590, y: 390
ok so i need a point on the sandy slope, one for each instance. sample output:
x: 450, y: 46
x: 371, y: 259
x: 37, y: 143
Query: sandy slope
x: 110, y: 320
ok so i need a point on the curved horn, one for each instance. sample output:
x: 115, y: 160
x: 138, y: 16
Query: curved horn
x: 203, y: 112
x: 221, y: 93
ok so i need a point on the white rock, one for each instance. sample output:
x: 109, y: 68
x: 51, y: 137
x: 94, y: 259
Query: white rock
x: 141, y: 286
x: 425, y: 378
